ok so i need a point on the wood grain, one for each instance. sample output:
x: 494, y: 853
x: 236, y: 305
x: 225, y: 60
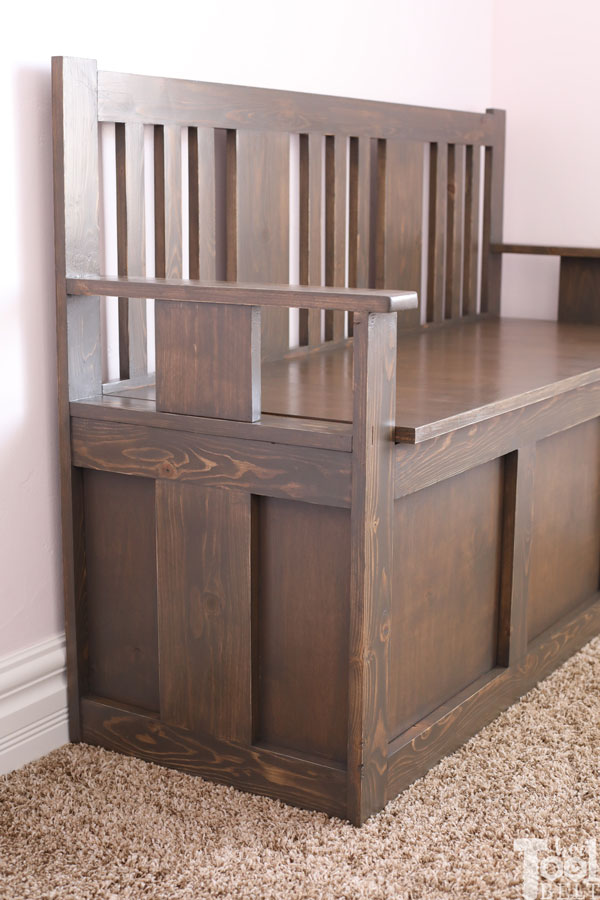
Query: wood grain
x: 260, y: 246
x: 336, y: 177
x: 167, y: 202
x: 438, y: 203
x: 455, y: 241
x: 266, y: 295
x: 120, y: 547
x: 579, y: 290
x: 301, y: 473
x: 311, y: 229
x: 544, y: 250
x: 131, y: 246
x: 204, y: 609
x: 447, y: 378
x: 79, y: 370
x: 303, y: 574
x: 293, y: 430
x: 300, y: 782
x: 202, y: 203
x: 453, y: 724
x: 471, y: 242
x: 208, y: 360
x: 444, y: 614
x: 399, y: 240
x: 493, y: 215
x: 359, y: 213
x: 565, y: 559
x: 420, y: 465
x: 371, y: 561
x: 124, y: 98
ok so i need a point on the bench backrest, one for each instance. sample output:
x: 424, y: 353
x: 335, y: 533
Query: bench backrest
x: 260, y: 185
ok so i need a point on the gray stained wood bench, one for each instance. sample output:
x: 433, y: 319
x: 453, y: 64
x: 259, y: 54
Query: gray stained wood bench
x: 310, y: 572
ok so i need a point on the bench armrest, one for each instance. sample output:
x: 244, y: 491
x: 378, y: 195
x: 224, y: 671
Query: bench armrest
x: 579, y: 281
x: 231, y: 293
x: 540, y: 250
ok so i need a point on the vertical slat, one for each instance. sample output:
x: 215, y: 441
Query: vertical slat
x: 359, y: 214
x: 167, y: 201
x: 493, y: 216
x: 471, y: 242
x: 77, y: 243
x: 258, y: 174
x: 131, y: 245
x: 519, y: 475
x: 399, y: 230
x: 436, y: 269
x: 311, y: 172
x: 204, y: 609
x: 202, y: 203
x: 371, y: 559
x: 454, y: 250
x: 336, y: 149
x: 173, y: 224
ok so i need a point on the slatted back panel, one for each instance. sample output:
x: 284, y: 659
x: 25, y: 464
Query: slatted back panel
x: 389, y: 196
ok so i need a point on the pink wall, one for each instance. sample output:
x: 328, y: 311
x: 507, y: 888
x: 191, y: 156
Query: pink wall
x: 546, y: 74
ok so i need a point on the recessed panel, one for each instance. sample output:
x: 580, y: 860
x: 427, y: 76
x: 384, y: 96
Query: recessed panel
x: 302, y: 569
x: 447, y: 548
x: 120, y: 549
x: 565, y: 549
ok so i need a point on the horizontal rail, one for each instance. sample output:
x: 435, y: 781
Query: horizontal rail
x: 354, y: 300
x: 154, y: 100
x: 541, y: 250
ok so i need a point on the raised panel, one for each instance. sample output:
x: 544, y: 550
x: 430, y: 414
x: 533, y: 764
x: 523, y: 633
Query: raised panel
x: 447, y: 551
x: 302, y: 567
x: 565, y: 550
x: 120, y: 550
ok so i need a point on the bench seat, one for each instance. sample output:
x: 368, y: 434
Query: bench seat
x: 447, y: 378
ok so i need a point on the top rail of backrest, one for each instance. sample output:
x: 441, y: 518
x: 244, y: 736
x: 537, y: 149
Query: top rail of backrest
x: 170, y: 101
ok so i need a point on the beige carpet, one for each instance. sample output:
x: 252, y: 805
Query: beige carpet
x: 84, y: 823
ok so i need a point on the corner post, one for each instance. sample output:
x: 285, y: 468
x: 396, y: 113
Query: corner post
x: 77, y: 253
x: 371, y: 559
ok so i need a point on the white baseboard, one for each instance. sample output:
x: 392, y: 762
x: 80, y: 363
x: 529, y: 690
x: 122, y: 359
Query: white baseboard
x: 33, y: 703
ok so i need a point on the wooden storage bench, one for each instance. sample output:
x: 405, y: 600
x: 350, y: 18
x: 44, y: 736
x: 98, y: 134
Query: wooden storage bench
x: 309, y: 571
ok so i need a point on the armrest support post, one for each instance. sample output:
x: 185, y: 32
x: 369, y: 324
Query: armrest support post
x: 579, y: 290
x: 579, y: 286
x: 208, y: 360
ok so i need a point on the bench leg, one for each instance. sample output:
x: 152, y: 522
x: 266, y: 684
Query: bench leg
x: 371, y: 560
